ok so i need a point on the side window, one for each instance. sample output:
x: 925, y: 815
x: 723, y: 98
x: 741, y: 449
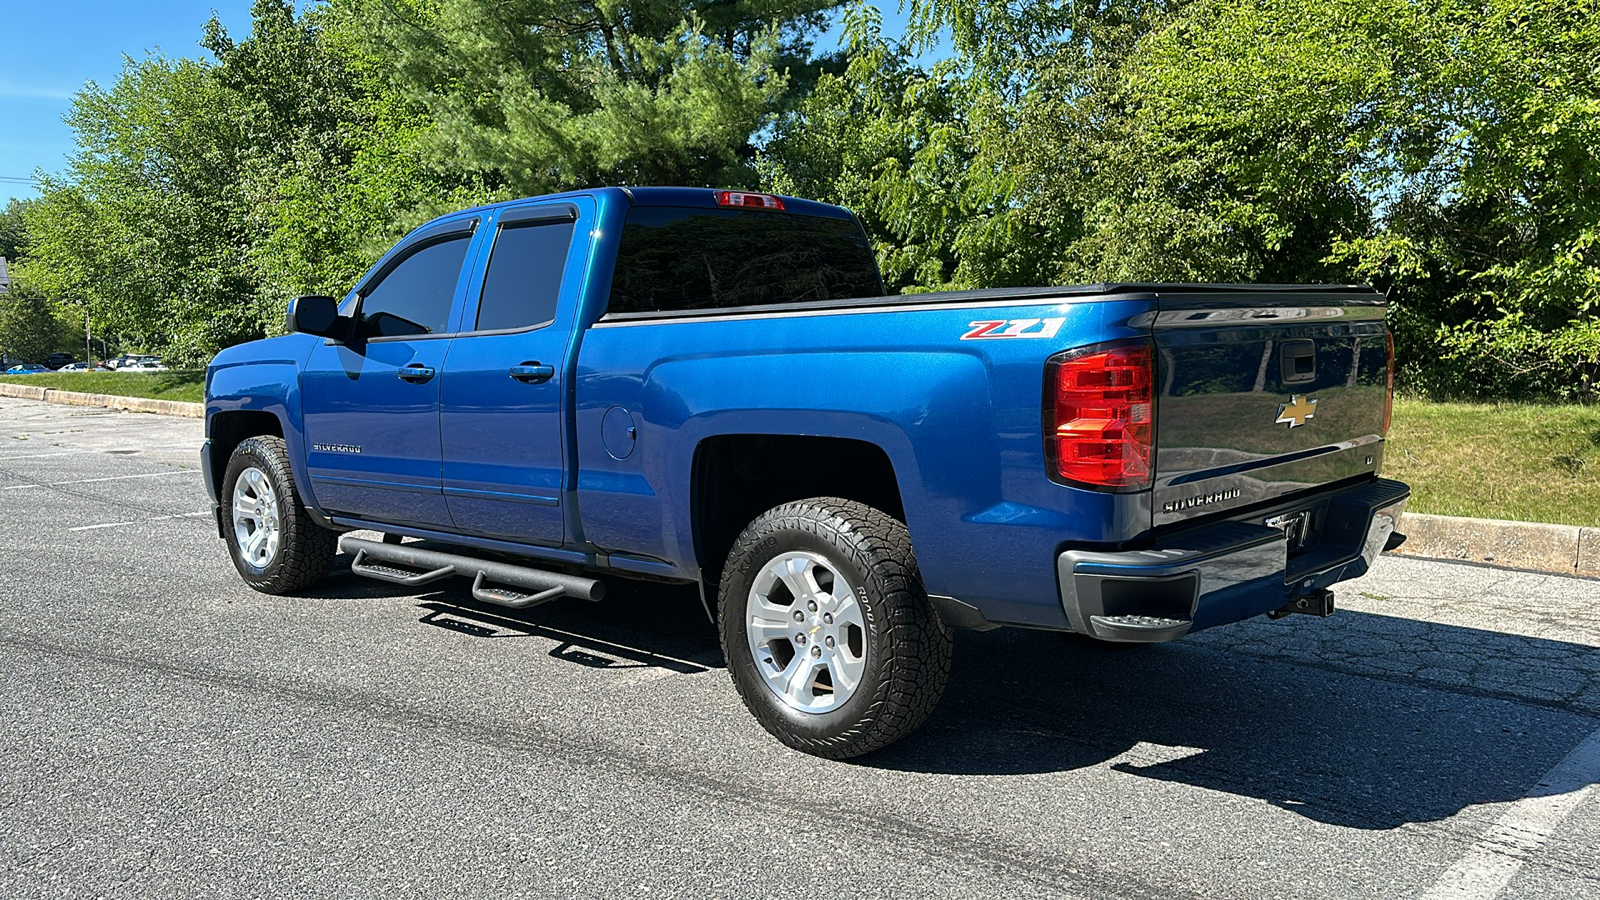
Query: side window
x: 524, y: 277
x: 414, y: 298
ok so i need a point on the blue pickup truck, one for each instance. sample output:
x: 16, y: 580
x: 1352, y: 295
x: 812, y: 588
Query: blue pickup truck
x: 711, y: 387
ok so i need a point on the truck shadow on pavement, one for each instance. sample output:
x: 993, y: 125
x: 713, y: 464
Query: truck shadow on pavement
x: 1277, y: 722
x: 1340, y: 748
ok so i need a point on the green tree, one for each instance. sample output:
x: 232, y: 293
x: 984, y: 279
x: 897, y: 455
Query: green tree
x: 147, y: 224
x: 1445, y: 151
x: 29, y: 331
x: 548, y: 95
x: 14, y: 230
x: 903, y: 147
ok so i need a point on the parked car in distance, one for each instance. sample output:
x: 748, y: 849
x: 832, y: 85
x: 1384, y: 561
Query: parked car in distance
x: 128, y: 360
x: 145, y: 365
x: 57, y: 360
x: 83, y: 367
x: 27, y: 369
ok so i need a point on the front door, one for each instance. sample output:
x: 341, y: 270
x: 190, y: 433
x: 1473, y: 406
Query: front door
x: 503, y: 412
x: 371, y: 405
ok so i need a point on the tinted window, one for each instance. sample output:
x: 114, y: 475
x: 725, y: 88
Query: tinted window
x: 524, y: 277
x: 414, y: 298
x: 685, y: 259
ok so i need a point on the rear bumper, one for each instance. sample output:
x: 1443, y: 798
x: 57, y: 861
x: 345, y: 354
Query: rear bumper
x: 1228, y: 570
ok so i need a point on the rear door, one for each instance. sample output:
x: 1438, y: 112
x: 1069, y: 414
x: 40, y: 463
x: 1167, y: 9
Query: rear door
x: 506, y: 380
x: 1265, y: 392
x: 371, y: 405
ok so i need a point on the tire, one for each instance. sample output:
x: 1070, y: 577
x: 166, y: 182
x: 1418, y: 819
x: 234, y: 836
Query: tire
x: 885, y: 651
x: 303, y: 550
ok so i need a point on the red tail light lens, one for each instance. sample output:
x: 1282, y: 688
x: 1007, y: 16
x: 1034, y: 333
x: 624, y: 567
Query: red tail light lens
x: 1388, y: 401
x: 1100, y: 416
x: 745, y: 200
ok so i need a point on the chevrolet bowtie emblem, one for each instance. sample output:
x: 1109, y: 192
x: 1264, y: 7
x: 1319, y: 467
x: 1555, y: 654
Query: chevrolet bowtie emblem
x: 1297, y: 411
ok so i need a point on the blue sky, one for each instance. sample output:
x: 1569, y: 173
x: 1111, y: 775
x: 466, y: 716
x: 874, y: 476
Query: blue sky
x: 50, y: 48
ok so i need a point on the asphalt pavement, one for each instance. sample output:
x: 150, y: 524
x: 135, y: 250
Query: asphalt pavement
x: 167, y: 732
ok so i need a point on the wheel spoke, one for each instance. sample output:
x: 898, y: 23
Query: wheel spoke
x: 846, y: 672
x: 796, y: 573
x: 243, y: 510
x: 768, y: 626
x: 798, y: 687
x: 778, y: 679
x: 257, y: 538
x: 847, y: 610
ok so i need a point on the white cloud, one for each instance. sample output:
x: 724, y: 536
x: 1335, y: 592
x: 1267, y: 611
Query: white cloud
x: 34, y: 92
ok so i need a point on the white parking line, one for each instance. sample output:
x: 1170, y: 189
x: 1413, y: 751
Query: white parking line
x: 1495, y: 859
x: 18, y: 487
x: 140, y: 521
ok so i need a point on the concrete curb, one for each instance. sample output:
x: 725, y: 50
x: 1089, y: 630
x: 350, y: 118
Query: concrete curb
x: 1562, y: 549
x: 108, y: 401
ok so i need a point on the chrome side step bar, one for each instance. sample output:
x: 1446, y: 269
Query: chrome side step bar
x: 411, y: 566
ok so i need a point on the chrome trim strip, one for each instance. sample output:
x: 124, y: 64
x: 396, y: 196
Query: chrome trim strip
x: 469, y: 493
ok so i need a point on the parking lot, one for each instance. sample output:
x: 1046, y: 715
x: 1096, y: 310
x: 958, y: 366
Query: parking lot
x: 168, y: 732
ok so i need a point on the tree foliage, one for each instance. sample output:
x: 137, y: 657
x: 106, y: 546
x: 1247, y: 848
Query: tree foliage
x: 902, y: 146
x: 548, y: 95
x: 14, y: 229
x: 29, y: 331
x: 1443, y: 150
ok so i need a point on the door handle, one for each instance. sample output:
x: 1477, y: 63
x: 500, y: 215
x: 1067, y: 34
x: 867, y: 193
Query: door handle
x: 533, y: 373
x: 417, y: 373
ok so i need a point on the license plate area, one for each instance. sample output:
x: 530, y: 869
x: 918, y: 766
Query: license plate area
x: 1296, y: 528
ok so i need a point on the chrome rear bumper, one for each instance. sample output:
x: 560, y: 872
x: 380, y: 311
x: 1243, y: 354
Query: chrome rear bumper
x: 1228, y: 570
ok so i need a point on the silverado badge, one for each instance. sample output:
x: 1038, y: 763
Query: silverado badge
x: 1297, y: 411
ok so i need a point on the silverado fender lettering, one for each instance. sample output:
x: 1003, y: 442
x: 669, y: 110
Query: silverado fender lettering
x: 842, y: 484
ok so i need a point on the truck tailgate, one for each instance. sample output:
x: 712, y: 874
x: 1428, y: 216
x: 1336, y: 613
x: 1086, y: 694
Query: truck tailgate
x: 1263, y: 393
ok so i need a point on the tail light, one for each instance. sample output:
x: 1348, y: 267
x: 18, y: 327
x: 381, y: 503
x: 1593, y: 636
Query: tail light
x: 1388, y: 400
x: 1099, y: 408
x: 745, y: 200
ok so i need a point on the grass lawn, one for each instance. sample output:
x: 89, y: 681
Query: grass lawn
x: 188, y: 385
x: 1533, y: 462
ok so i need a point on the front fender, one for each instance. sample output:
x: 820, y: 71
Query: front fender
x: 266, y: 380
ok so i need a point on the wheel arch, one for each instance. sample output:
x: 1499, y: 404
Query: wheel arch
x: 230, y: 428
x: 737, y: 477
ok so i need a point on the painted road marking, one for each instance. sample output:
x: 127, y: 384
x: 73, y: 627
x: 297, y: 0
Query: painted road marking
x: 140, y: 521
x: 1497, y: 857
x: 18, y: 487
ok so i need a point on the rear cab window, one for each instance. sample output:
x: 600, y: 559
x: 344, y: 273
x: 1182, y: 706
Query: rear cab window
x: 523, y: 281
x: 675, y: 259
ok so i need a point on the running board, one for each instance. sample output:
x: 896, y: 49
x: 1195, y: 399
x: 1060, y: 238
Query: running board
x: 410, y: 565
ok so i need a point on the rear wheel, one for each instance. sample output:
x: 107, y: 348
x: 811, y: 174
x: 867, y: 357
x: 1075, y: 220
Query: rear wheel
x: 828, y: 633
x: 275, y: 545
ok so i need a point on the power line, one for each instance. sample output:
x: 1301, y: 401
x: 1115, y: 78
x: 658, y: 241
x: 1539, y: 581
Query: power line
x: 12, y: 179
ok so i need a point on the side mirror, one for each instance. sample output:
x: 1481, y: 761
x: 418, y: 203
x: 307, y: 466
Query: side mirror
x: 317, y: 315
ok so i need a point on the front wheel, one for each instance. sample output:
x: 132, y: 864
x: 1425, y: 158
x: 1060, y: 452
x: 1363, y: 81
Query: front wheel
x: 827, y: 629
x: 275, y: 545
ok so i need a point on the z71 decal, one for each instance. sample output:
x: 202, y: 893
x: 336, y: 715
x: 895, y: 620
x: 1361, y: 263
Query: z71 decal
x: 1013, y: 328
